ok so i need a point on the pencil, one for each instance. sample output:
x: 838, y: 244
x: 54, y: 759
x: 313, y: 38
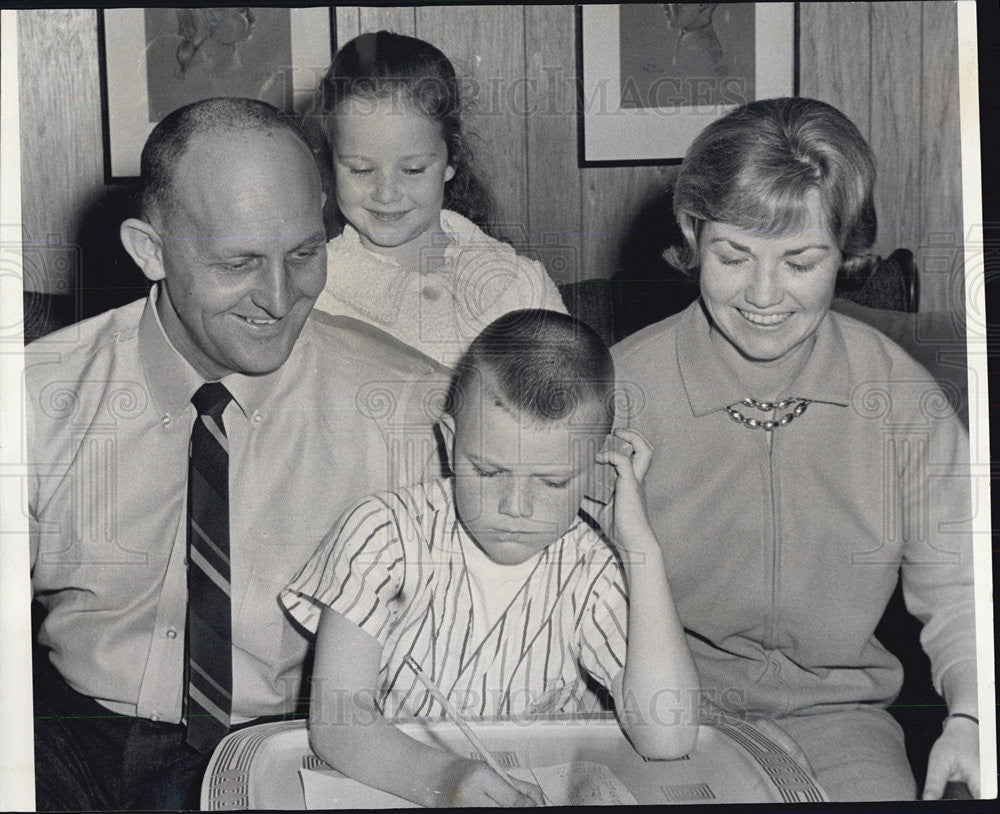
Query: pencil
x: 459, y: 721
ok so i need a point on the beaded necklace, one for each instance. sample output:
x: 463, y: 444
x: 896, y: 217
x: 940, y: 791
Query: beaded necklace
x: 765, y: 407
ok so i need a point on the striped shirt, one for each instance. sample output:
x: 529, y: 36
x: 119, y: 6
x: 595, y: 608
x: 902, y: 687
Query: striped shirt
x: 394, y: 566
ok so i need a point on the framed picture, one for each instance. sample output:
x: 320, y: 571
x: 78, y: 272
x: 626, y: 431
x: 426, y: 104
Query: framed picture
x: 155, y: 60
x: 653, y: 75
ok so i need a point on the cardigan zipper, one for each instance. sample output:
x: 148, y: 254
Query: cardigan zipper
x: 774, y: 539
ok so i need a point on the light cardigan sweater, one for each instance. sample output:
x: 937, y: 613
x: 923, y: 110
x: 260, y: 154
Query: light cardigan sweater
x: 782, y: 559
x: 441, y: 310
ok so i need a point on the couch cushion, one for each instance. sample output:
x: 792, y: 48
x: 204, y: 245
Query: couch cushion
x: 936, y: 340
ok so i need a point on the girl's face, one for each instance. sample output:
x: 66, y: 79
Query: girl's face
x: 390, y: 166
x: 767, y: 294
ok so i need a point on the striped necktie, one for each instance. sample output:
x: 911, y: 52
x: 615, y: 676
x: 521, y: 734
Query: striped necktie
x: 208, y: 698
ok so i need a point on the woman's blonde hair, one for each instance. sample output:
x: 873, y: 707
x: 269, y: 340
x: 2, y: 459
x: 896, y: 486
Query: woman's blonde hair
x: 754, y: 168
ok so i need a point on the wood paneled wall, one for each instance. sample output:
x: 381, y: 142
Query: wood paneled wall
x: 891, y: 66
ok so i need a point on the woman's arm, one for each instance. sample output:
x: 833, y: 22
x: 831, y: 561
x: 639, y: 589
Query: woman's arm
x: 938, y: 586
x: 656, y: 693
x: 347, y: 730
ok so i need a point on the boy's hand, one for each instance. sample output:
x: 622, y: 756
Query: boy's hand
x: 624, y: 519
x: 473, y: 783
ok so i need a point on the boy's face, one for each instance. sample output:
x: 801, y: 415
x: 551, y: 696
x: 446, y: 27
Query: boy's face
x: 519, y: 481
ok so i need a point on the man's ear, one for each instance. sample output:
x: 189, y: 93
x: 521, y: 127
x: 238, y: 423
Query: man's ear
x: 446, y: 424
x: 144, y: 245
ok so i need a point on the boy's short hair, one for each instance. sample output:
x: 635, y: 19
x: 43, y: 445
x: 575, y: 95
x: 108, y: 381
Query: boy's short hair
x: 538, y: 363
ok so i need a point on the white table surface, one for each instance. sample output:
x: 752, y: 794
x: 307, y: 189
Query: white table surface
x: 258, y: 767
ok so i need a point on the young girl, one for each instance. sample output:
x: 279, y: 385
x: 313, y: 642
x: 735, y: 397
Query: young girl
x: 411, y: 260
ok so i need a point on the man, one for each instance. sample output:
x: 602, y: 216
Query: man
x: 190, y: 452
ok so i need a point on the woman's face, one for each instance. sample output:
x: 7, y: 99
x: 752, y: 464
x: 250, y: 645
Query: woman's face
x: 767, y: 294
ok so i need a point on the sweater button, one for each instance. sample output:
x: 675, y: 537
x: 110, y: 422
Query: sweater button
x: 430, y: 292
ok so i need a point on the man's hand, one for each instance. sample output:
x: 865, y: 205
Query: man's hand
x: 954, y: 757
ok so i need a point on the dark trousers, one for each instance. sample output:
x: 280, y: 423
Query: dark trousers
x: 88, y: 758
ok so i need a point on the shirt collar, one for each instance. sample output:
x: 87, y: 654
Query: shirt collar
x: 710, y: 387
x: 173, y: 381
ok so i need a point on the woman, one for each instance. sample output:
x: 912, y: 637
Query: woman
x: 803, y: 457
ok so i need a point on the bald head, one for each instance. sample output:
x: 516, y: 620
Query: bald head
x: 223, y: 118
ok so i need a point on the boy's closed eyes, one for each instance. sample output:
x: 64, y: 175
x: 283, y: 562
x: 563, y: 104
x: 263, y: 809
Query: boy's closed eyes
x: 519, y: 480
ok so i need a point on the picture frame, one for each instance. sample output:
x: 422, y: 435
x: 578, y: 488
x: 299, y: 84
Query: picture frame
x: 153, y: 60
x: 651, y: 77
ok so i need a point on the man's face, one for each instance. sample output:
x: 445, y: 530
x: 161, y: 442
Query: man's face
x: 243, y: 252
x: 519, y: 481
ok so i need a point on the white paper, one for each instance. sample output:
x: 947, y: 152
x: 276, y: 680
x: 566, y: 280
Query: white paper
x: 578, y: 784
x: 327, y: 790
x: 568, y: 784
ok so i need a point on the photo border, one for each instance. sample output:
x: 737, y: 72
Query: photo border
x: 15, y: 762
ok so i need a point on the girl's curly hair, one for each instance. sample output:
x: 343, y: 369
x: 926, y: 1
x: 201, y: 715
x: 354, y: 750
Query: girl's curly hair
x: 385, y: 65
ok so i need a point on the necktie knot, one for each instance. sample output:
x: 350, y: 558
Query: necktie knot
x: 211, y: 399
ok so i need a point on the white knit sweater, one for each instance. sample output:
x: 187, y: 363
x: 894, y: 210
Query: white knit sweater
x: 438, y: 311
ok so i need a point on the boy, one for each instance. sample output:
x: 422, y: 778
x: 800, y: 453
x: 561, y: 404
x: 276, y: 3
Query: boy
x: 491, y: 582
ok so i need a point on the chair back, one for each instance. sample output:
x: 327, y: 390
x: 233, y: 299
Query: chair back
x: 891, y: 285
x: 616, y: 308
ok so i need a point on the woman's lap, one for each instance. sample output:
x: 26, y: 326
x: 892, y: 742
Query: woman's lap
x: 855, y: 754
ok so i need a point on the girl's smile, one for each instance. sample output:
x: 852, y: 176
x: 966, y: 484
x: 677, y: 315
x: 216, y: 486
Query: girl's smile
x: 388, y: 217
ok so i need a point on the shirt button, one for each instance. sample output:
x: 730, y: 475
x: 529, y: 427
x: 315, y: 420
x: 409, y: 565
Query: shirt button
x: 431, y: 293
x: 166, y: 420
x: 155, y: 716
x: 171, y: 634
x: 257, y: 417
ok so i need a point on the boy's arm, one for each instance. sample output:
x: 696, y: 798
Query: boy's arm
x: 347, y: 730
x: 657, y: 690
